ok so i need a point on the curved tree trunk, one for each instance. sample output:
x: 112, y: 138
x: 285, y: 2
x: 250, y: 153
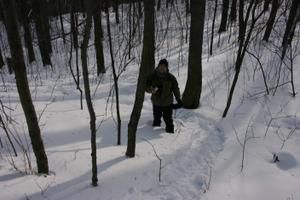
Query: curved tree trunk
x: 22, y: 85
x: 147, y: 67
x: 192, y: 92
x: 84, y: 47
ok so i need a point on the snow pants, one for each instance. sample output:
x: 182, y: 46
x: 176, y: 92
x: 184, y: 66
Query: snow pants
x: 166, y: 112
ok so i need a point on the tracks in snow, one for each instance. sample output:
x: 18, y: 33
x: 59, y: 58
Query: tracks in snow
x: 186, y: 171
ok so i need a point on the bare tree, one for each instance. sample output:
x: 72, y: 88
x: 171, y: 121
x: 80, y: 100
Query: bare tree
x: 25, y: 20
x: 290, y: 26
x: 213, y: 28
x: 266, y: 5
x: 225, y: 8
x: 9, y: 8
x: 244, y: 41
x: 60, y: 13
x: 271, y: 20
x: 98, y: 33
x: 192, y: 92
x: 1, y: 60
x: 116, y: 10
x: 233, y: 11
x: 84, y: 47
x: 74, y: 43
x: 147, y: 66
x: 42, y: 30
x: 115, y: 76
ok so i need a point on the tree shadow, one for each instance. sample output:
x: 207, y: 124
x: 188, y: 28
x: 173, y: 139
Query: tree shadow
x: 286, y: 161
x: 76, y: 185
x: 9, y: 177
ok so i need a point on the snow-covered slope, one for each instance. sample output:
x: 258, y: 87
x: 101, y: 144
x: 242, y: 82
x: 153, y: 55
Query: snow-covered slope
x: 202, y: 160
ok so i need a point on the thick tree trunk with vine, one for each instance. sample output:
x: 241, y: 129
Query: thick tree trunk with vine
x: 84, y: 47
x: 193, y: 88
x: 146, y: 68
x: 22, y: 84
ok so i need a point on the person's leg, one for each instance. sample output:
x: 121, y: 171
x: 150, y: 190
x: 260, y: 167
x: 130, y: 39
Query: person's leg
x: 157, y: 113
x: 168, y: 118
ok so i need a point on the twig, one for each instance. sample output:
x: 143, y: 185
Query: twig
x: 157, y: 156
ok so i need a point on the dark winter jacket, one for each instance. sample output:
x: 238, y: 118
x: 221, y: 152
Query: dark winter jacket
x: 166, y: 85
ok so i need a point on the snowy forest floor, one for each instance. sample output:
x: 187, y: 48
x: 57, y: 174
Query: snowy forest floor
x: 202, y: 160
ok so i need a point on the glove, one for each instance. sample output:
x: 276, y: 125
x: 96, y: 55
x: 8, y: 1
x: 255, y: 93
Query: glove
x: 154, y: 90
x: 177, y: 105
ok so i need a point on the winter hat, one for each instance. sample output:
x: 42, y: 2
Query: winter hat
x: 163, y: 62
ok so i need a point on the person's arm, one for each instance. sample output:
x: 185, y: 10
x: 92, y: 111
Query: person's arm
x: 176, y: 90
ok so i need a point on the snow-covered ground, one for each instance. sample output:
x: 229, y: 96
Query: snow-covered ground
x: 202, y: 160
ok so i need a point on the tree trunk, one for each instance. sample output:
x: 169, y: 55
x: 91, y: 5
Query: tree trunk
x: 266, y: 5
x: 147, y: 67
x: 213, y: 28
x: 187, y: 6
x: 233, y: 11
x: 61, y: 22
x: 192, y: 92
x: 42, y: 31
x: 158, y: 6
x: 22, y: 85
x: 271, y: 20
x: 130, y: 19
x: 290, y: 26
x: 1, y: 60
x: 98, y: 39
x: 115, y: 78
x: 74, y: 29
x: 116, y: 10
x: 24, y: 18
x: 223, y: 24
x: 84, y: 47
x: 244, y: 41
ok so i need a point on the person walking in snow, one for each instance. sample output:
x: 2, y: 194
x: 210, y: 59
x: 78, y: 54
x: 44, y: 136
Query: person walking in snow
x: 163, y: 85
